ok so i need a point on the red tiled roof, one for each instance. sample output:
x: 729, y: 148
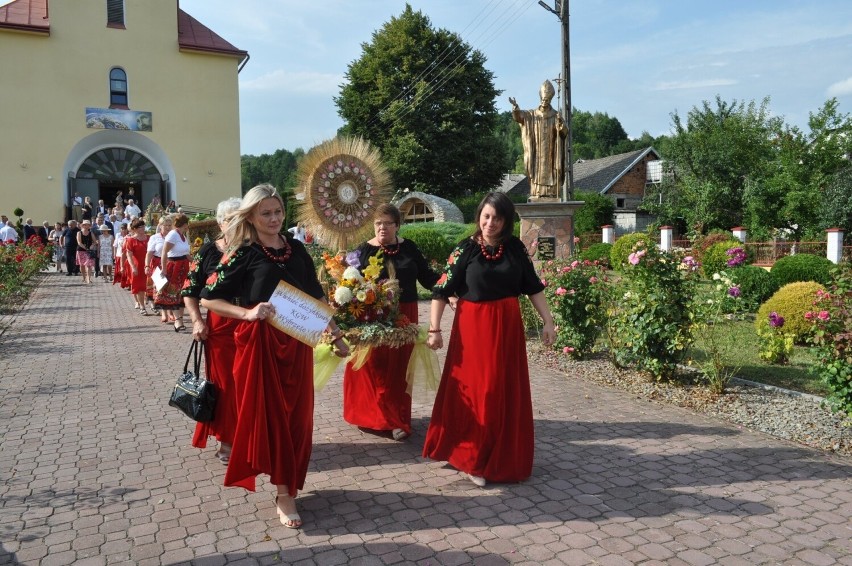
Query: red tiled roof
x: 29, y: 15
x: 194, y: 35
x: 32, y: 15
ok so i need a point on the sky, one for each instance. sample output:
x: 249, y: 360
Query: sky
x: 636, y: 60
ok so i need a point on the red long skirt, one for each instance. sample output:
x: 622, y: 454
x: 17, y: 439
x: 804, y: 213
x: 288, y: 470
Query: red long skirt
x: 375, y: 396
x: 169, y: 297
x: 482, y: 421
x: 219, y: 350
x: 150, y: 291
x: 139, y: 249
x: 274, y: 381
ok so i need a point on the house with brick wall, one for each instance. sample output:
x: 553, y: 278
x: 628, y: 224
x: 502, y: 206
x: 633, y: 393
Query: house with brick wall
x: 624, y: 178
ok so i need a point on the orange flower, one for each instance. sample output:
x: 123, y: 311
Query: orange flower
x: 371, y: 297
x: 356, y: 309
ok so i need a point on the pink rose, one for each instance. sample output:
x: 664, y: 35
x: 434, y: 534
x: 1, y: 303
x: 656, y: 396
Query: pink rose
x: 567, y: 350
x: 561, y: 291
x: 823, y: 315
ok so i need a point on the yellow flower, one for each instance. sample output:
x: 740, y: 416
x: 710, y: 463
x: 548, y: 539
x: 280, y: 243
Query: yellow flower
x: 372, y: 271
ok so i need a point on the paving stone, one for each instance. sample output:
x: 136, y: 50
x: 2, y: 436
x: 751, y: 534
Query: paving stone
x: 616, y: 480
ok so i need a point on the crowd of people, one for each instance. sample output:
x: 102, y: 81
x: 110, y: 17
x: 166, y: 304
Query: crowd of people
x: 482, y: 418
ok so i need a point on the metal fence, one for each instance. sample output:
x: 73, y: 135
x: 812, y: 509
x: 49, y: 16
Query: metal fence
x: 767, y: 253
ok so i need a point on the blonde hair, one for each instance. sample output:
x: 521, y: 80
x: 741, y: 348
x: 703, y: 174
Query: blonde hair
x: 240, y: 231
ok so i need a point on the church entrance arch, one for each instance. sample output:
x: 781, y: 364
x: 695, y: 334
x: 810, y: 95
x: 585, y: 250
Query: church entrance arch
x: 115, y: 174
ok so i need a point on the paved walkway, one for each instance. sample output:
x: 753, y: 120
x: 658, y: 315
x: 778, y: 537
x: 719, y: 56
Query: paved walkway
x: 97, y: 469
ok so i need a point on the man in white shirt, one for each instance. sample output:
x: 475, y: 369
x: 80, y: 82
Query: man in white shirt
x: 132, y: 209
x: 8, y: 232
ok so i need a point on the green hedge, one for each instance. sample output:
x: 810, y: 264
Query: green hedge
x: 802, y: 267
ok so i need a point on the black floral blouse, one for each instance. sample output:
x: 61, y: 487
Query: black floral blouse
x: 250, y: 277
x: 473, y: 277
x: 203, y: 265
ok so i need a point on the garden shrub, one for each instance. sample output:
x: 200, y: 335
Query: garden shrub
x: 649, y: 319
x: 802, y: 267
x: 703, y: 243
x: 599, y: 252
x: 624, y: 245
x: 832, y: 340
x: 452, y: 232
x: 756, y: 285
x: 597, y: 210
x: 433, y: 245
x: 18, y: 263
x: 723, y: 256
x: 575, y: 292
x: 791, y: 302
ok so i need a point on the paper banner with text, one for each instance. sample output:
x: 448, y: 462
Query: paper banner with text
x: 299, y: 315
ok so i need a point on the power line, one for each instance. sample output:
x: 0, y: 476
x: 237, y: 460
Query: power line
x: 503, y: 21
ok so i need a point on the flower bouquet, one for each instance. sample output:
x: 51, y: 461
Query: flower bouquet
x: 368, y: 314
x: 367, y: 307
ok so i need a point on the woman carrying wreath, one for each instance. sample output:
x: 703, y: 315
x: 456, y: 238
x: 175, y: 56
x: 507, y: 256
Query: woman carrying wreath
x: 482, y: 420
x: 217, y: 333
x: 375, y: 396
x: 272, y: 371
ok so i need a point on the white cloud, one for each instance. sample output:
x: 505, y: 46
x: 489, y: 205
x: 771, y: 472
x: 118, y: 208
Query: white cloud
x: 678, y: 85
x: 302, y: 82
x: 841, y: 88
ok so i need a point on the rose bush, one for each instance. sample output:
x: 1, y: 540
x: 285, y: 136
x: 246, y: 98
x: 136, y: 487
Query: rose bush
x: 575, y: 292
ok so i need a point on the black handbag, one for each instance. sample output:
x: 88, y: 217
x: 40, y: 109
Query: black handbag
x: 193, y: 394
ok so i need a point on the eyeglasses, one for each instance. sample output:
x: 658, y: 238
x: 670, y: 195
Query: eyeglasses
x: 384, y: 224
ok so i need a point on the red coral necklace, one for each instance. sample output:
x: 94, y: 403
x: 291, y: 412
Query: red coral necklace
x: 490, y: 257
x: 278, y: 258
x: 388, y: 251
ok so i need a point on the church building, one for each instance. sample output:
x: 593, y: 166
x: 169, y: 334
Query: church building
x: 103, y: 98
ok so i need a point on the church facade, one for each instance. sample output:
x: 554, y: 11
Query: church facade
x: 103, y: 96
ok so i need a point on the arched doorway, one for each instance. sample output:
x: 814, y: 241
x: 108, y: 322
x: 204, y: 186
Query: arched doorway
x: 118, y: 172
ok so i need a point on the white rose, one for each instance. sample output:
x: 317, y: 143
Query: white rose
x: 342, y: 295
x: 716, y: 277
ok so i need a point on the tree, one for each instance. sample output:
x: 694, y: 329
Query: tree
x: 426, y: 100
x: 597, y: 211
x: 713, y: 157
x: 794, y: 193
x: 836, y: 206
x: 278, y: 169
x: 596, y: 135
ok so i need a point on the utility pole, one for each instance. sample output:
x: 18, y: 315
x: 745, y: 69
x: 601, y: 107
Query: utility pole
x: 561, y: 12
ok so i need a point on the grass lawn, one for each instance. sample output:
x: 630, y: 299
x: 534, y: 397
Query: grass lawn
x: 743, y: 354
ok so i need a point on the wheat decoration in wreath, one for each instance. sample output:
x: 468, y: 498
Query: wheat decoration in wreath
x: 343, y: 180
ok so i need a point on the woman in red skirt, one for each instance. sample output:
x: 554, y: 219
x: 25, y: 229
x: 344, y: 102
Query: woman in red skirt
x: 174, y: 263
x: 375, y: 396
x: 217, y: 333
x: 272, y: 371
x: 482, y: 420
x: 135, y: 248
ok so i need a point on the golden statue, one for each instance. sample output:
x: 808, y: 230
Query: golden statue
x: 543, y: 134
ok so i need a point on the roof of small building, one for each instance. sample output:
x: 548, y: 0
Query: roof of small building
x: 443, y: 209
x: 598, y: 175
x: 33, y: 15
x: 514, y: 183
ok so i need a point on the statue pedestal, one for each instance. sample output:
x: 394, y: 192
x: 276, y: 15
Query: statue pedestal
x: 547, y: 228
